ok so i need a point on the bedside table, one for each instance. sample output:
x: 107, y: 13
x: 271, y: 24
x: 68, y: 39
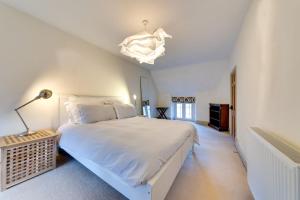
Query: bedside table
x: 22, y: 158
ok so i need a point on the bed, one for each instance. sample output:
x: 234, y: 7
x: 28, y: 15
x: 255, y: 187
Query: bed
x: 118, y: 151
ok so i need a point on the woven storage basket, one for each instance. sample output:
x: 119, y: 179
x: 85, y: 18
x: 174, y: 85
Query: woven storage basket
x: 25, y: 157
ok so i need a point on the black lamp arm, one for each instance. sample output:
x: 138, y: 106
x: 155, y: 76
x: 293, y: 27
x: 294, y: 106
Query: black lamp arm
x: 17, y: 111
x: 27, y: 129
x: 29, y: 102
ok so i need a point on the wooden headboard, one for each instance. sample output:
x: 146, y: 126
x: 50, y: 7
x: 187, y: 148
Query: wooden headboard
x: 63, y: 116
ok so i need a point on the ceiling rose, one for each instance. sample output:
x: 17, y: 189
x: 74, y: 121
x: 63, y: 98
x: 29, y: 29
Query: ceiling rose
x: 144, y: 46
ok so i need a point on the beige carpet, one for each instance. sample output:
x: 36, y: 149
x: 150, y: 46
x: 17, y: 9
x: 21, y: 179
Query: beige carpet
x: 214, y: 172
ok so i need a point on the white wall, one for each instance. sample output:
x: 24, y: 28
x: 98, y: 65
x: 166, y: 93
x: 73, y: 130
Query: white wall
x: 34, y: 56
x: 209, y: 82
x: 268, y: 70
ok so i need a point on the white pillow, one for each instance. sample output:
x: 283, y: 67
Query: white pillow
x: 72, y: 111
x: 95, y: 113
x: 125, y: 110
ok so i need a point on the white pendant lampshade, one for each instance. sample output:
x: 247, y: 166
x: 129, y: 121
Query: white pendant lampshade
x: 145, y: 47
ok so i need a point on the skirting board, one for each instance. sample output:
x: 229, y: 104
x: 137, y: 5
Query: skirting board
x: 240, y: 152
x: 204, y: 123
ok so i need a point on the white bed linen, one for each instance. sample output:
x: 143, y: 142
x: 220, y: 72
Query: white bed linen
x: 135, y: 148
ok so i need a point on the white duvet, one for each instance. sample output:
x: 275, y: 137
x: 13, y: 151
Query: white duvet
x: 135, y: 149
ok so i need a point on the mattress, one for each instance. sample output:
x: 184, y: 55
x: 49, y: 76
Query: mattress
x: 134, y: 149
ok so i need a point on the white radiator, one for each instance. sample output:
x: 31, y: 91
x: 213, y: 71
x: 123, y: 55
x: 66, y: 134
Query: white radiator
x: 273, y: 168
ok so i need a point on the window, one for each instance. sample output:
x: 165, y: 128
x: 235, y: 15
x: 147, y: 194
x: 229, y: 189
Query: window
x: 183, y: 108
x: 147, y: 111
x: 179, y: 110
x: 188, y: 111
x: 183, y: 111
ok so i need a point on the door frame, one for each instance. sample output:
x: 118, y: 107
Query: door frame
x: 233, y: 92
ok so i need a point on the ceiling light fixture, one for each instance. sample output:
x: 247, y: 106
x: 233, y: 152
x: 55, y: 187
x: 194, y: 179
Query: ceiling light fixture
x: 144, y: 46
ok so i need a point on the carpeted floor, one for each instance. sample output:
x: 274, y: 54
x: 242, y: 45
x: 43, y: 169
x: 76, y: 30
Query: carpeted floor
x: 214, y: 172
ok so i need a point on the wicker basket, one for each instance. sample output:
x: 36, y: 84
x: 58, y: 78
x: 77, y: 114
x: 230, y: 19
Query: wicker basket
x: 22, y: 158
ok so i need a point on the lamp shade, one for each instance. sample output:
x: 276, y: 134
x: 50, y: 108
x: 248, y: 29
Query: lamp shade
x: 145, y: 47
x: 45, y: 94
x: 134, y: 97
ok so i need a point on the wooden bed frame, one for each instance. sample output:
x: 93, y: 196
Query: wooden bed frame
x: 156, y: 188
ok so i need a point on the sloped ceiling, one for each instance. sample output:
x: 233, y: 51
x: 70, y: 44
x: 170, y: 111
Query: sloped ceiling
x: 202, y: 30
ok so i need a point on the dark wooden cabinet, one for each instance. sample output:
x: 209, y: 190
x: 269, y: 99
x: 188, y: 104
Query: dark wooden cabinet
x: 219, y: 116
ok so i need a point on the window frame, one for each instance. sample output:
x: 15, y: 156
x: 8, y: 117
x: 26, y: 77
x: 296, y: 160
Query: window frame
x: 183, y: 108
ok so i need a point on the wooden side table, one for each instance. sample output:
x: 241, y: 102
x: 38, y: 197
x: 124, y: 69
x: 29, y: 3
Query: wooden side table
x: 22, y: 158
x: 162, y: 112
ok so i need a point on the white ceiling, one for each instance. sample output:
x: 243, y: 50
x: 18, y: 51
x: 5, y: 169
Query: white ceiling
x: 202, y: 30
